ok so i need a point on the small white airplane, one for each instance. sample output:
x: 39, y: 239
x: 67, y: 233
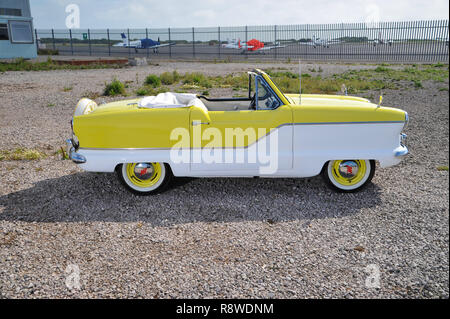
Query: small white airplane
x: 318, y: 42
x: 235, y: 44
x: 141, y: 44
x: 380, y: 40
x: 252, y: 45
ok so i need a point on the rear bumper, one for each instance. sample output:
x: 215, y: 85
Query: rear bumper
x: 72, y: 153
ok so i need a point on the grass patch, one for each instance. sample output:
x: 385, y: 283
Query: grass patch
x: 91, y: 95
x: 114, y: 88
x: 442, y: 168
x: 148, y: 90
x: 50, y: 105
x: 169, y: 78
x: 153, y: 80
x: 20, y: 154
x: 443, y: 89
x: 24, y: 65
x: 418, y: 84
x: 67, y: 88
x: 198, y: 79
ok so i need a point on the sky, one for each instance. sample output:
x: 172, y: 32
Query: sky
x: 115, y: 14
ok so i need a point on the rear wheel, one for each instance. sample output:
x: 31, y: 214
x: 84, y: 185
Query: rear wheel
x: 348, y: 175
x: 145, y: 178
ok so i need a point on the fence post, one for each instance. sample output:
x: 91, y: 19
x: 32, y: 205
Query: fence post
x: 307, y: 39
x: 170, y: 41
x: 193, y: 42
x: 71, y: 42
x: 53, y: 40
x: 246, y: 40
x: 109, y: 43
x: 220, y: 44
x: 275, y: 31
x: 146, y: 37
x: 128, y: 39
x: 89, y: 41
x: 36, y: 39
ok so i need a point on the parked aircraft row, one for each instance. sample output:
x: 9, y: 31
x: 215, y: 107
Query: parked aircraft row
x: 253, y: 45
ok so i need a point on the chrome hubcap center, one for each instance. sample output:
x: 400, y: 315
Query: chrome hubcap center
x: 348, y: 169
x: 144, y: 171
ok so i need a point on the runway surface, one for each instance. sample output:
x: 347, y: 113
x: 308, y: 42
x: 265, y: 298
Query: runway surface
x: 397, y: 52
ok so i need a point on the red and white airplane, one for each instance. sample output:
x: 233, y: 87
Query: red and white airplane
x: 252, y: 45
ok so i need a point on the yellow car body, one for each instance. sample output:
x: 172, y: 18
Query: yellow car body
x: 310, y: 132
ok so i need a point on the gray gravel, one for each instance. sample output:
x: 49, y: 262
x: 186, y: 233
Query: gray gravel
x: 268, y: 238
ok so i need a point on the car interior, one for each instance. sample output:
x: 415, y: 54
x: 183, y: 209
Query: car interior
x: 262, y: 98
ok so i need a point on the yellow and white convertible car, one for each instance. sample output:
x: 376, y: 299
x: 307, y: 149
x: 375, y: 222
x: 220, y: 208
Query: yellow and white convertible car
x: 149, y: 140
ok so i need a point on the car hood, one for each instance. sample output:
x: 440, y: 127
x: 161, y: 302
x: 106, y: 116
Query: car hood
x: 327, y: 100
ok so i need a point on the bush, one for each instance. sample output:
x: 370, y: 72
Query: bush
x: 153, y: 80
x: 47, y: 52
x: 381, y: 69
x: 144, y: 91
x: 114, y: 88
x: 197, y: 79
x: 168, y: 78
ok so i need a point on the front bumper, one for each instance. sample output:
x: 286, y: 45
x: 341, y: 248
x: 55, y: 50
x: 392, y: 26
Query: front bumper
x: 72, y: 153
x: 402, y: 150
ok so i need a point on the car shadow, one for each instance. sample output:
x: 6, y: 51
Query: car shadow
x: 87, y: 197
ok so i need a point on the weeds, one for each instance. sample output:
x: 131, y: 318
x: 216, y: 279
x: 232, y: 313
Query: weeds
x: 442, y: 168
x: 24, y: 65
x: 153, y: 80
x: 169, y: 78
x: 114, y: 88
x: 21, y: 154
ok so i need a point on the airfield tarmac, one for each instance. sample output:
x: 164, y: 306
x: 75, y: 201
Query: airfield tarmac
x: 397, y: 52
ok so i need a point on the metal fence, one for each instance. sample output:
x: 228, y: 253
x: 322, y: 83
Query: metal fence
x: 413, y: 41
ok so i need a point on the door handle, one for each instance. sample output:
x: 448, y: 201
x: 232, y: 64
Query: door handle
x: 199, y: 123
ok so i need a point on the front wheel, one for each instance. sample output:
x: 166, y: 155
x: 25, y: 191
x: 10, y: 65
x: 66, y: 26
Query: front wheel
x: 348, y: 175
x: 144, y: 178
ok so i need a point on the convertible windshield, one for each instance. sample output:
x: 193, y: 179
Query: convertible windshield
x: 265, y: 90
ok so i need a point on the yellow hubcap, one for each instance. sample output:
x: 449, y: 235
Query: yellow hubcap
x: 144, y: 174
x: 348, y: 172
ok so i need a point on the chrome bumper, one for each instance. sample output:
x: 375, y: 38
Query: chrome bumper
x: 402, y: 150
x: 73, y: 155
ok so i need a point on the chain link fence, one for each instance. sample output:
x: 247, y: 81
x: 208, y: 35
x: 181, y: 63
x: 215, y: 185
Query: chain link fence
x: 413, y: 41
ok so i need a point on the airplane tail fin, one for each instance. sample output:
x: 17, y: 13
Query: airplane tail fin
x: 124, y: 38
x: 239, y: 43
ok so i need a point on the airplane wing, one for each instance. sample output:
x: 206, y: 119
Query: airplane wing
x: 272, y: 47
x: 162, y: 45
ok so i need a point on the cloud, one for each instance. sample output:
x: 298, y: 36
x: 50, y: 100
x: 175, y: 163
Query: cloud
x: 102, y: 14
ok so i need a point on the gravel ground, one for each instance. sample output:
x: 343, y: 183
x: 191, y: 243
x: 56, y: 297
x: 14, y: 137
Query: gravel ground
x: 264, y: 238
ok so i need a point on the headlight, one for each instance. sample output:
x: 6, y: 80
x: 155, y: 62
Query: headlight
x: 84, y: 106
